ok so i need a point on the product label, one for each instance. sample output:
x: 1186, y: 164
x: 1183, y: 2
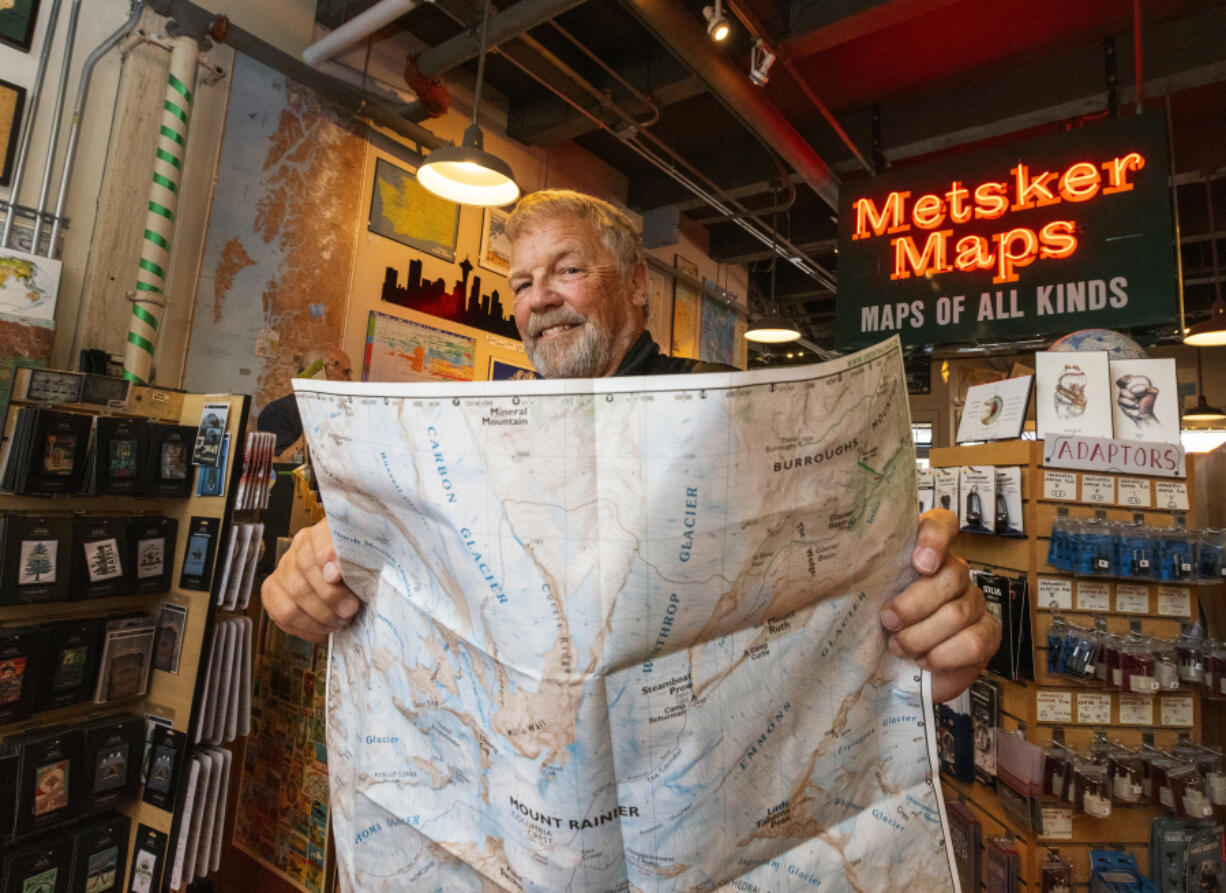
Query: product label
x: 1136, y: 710
x: 1176, y: 712
x: 1098, y: 488
x: 1174, y: 601
x: 1054, y: 706
x: 1057, y: 823
x: 1093, y: 596
x: 1094, y: 708
x: 1061, y: 485
x: 1171, y: 495
x: 1135, y: 493
x: 1131, y: 599
x: 1055, y: 592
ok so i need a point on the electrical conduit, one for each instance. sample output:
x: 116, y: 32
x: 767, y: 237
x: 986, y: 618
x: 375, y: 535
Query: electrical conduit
x: 149, y: 300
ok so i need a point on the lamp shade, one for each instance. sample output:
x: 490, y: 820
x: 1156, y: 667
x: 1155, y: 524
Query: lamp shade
x: 772, y: 330
x: 468, y: 175
x: 1203, y: 412
x: 1212, y: 331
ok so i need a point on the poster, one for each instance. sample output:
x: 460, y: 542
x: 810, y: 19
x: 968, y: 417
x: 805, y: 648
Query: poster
x: 996, y: 410
x: 403, y: 350
x: 1072, y: 393
x: 495, y: 246
x: 405, y: 211
x: 660, y: 310
x: 718, y: 330
x: 685, y: 311
x: 1145, y: 400
x: 281, y: 819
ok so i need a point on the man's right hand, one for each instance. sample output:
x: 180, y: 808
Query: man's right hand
x: 305, y: 595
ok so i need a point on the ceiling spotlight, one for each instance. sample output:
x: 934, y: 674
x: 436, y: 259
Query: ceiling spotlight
x: 760, y: 61
x: 717, y: 23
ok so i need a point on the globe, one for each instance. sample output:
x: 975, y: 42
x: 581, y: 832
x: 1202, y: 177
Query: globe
x: 1118, y: 346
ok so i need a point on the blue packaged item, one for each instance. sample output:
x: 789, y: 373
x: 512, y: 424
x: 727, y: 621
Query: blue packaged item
x: 1095, y: 555
x: 1055, y: 644
x: 1056, y: 545
x: 1068, y: 651
x: 1174, y: 556
x: 1134, y: 551
x: 1114, y: 872
x: 1210, y: 548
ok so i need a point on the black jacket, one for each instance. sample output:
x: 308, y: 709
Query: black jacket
x: 644, y: 358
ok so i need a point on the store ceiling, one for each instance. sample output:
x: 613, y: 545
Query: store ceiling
x: 941, y: 75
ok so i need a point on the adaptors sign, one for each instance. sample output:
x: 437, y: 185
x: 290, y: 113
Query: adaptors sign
x: 1063, y: 232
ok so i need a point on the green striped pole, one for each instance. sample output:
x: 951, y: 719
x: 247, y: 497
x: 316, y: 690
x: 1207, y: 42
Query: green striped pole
x: 149, y: 299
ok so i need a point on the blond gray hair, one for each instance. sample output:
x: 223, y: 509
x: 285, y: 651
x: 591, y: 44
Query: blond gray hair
x: 619, y: 235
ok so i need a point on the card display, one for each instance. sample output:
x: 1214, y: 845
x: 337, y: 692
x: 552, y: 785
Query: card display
x: 148, y: 860
x: 169, y: 642
x: 985, y: 719
x: 10, y: 762
x: 945, y: 489
x: 151, y: 540
x: 197, y: 567
x: 977, y: 498
x: 256, y: 479
x: 110, y: 756
x: 73, y: 647
x: 47, y: 453
x: 127, y: 651
x: 35, y: 558
x: 995, y: 410
x: 1009, y: 518
x: 209, y: 435
x: 117, y: 457
x: 167, y: 455
x: 40, y: 866
x: 23, y: 665
x: 50, y: 760
x: 1072, y: 393
x: 100, y: 556
x: 168, y: 751
x: 100, y: 854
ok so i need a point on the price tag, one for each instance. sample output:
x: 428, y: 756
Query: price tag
x: 1174, y: 601
x: 1135, y: 493
x: 1093, y: 596
x: 1136, y: 710
x: 1131, y: 599
x: 1055, y: 593
x: 1054, y: 706
x: 1061, y: 485
x: 1171, y: 495
x: 1098, y: 488
x: 1176, y: 712
x: 1094, y: 708
x: 1057, y: 823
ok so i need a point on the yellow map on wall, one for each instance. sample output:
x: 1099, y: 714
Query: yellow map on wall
x: 404, y: 210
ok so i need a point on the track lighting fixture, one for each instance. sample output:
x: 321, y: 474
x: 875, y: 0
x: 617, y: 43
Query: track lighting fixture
x: 760, y: 61
x: 717, y: 22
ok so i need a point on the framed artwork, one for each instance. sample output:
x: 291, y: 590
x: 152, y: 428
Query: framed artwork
x: 12, y: 101
x: 686, y: 311
x: 495, y: 247
x: 403, y: 210
x: 660, y: 310
x: 17, y: 21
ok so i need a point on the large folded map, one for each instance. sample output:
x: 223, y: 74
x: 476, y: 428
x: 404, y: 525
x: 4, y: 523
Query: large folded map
x: 622, y: 634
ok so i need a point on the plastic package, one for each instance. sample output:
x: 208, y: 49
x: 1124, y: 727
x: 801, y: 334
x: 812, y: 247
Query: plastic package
x: 1057, y: 771
x: 1174, y: 556
x: 1095, y: 551
x: 1166, y: 664
x: 1191, y: 658
x: 1113, y: 645
x: 1134, y: 550
x: 1091, y: 789
x: 1124, y: 767
x: 1137, y: 661
x: 1079, y: 653
x: 1187, y: 792
x: 1056, y: 874
x: 1210, y: 551
x: 1215, y: 670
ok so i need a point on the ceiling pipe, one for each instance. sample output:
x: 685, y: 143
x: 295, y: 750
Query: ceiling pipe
x: 682, y: 34
x: 195, y: 20
x: 57, y: 119
x: 508, y: 23
x: 356, y: 29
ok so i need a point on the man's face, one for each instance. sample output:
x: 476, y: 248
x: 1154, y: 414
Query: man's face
x: 576, y: 313
x: 337, y: 367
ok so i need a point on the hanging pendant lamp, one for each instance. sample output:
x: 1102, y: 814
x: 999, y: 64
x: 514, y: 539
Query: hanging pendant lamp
x: 467, y: 174
x: 1212, y: 331
x: 771, y: 327
x: 1202, y: 412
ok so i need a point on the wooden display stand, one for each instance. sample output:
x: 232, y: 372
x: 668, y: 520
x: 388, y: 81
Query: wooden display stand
x: 173, y: 698
x: 1033, y: 707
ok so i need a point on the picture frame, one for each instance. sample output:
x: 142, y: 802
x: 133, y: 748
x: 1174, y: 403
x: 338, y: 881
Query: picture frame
x: 17, y: 24
x: 495, y: 247
x: 12, y: 103
x: 403, y: 210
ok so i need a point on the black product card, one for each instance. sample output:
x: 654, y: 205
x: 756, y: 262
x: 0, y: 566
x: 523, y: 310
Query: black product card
x: 49, y: 762
x: 100, y: 556
x: 23, y: 666
x: 151, y: 541
x: 10, y: 762
x: 148, y: 860
x: 40, y: 866
x: 1002, y: 866
x: 110, y: 759
x: 127, y: 652
x: 197, y: 570
x: 209, y: 436
x: 100, y: 855
x: 35, y: 558
x: 169, y: 749
x: 103, y: 390
x: 168, y: 646
x: 985, y: 718
x: 1020, y: 628
x: 996, y: 593
x: 119, y: 455
x: 964, y: 841
x: 954, y: 743
x: 55, y: 462
x: 168, y: 460
x: 72, y: 671
x: 18, y: 433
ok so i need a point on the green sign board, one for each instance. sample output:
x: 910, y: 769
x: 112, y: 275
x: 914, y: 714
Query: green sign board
x: 1043, y: 237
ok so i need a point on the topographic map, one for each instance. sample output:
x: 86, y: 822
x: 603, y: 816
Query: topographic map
x: 622, y: 634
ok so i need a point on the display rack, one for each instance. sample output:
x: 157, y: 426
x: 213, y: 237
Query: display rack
x: 172, y: 699
x: 1052, y: 706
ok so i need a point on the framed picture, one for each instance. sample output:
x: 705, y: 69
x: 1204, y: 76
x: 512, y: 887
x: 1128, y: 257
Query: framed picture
x: 495, y: 247
x: 403, y: 210
x: 17, y: 22
x: 12, y: 101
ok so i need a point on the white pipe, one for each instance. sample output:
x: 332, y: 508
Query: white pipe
x: 357, y: 28
x: 54, y: 138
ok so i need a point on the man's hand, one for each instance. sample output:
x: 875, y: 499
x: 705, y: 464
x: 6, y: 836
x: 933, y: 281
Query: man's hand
x: 940, y: 620
x: 305, y: 595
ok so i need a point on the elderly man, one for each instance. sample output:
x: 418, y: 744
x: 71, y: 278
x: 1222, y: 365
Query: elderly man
x: 579, y: 284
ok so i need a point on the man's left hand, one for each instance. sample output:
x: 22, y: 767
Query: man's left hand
x: 940, y: 621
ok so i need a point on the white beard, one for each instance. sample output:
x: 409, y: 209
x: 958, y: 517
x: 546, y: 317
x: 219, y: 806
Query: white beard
x: 587, y: 357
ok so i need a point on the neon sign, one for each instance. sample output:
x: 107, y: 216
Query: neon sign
x: 936, y: 250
